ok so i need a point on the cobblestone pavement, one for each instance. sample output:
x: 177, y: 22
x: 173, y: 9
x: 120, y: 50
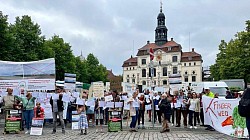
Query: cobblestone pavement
x: 146, y: 134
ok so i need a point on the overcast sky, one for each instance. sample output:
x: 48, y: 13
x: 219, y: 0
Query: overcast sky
x: 110, y: 29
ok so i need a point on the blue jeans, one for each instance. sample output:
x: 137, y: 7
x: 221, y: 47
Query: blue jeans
x: 248, y: 125
x: 28, y: 115
x: 133, y: 121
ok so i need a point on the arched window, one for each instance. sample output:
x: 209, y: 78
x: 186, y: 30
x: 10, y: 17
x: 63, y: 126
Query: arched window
x: 143, y: 72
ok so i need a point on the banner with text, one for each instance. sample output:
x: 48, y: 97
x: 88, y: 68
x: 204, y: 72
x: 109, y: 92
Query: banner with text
x: 222, y: 115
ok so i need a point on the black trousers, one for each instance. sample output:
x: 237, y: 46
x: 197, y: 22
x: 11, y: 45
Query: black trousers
x: 157, y: 114
x: 141, y: 116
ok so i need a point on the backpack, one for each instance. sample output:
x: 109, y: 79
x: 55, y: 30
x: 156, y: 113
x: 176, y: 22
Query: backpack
x: 244, y: 107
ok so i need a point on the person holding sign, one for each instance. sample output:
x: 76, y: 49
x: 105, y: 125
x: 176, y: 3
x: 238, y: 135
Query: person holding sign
x: 165, y: 108
x: 133, y: 111
x: 57, y: 109
x: 83, y: 122
x: 141, y: 111
x: 28, y: 106
x: 99, y: 114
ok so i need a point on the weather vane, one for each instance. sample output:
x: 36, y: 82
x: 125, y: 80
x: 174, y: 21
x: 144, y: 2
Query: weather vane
x: 161, y: 5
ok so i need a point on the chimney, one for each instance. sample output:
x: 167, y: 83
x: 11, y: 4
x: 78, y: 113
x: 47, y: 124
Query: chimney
x: 172, y: 39
x: 192, y: 49
x: 148, y: 42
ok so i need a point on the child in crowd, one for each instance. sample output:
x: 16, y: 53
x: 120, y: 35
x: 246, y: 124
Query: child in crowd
x: 83, y: 123
x: 38, y: 111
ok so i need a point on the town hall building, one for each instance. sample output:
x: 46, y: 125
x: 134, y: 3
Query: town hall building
x: 169, y: 61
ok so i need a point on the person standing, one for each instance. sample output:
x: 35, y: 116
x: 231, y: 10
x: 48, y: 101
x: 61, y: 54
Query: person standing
x: 28, y: 106
x: 141, y: 111
x: 133, y: 111
x: 181, y: 109
x: 99, y: 114
x: 229, y: 95
x: 83, y: 123
x: 165, y: 108
x: 57, y: 109
x: 157, y: 112
x: 194, y: 109
x: 9, y: 100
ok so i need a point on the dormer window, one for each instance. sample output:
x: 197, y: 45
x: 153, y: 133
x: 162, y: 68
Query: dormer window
x: 129, y: 63
x: 169, y: 48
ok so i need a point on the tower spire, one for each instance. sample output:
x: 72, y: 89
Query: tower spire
x: 161, y: 29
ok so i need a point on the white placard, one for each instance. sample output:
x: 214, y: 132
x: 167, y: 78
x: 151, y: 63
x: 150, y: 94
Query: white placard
x: 118, y: 104
x: 125, y: 98
x: 76, y: 94
x: 156, y: 107
x: 126, y: 106
x: 36, y: 131
x: 108, y: 98
x: 90, y: 103
x: 136, y: 104
x: 110, y: 104
x: 66, y: 98
x: 72, y: 99
x: 55, y: 97
x: 80, y: 101
x: 101, y: 103
x: 148, y: 107
x: 146, y: 96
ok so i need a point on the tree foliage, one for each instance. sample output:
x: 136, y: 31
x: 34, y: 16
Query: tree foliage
x: 233, y: 59
x: 23, y: 41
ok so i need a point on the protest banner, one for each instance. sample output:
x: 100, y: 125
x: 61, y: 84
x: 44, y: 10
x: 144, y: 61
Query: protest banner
x: 98, y: 89
x: 35, y: 75
x: 222, y: 115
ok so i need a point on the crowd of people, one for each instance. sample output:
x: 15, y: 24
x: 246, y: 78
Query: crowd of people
x: 165, y: 108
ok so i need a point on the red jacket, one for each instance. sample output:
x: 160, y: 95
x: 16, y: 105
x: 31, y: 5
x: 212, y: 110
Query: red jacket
x: 41, y: 111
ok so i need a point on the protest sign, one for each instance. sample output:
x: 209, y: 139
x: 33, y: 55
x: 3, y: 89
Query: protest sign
x: 37, y: 126
x: 108, y: 98
x: 98, y: 89
x: 222, y: 115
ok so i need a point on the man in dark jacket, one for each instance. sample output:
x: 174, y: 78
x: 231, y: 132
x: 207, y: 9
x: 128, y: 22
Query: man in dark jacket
x: 57, y: 109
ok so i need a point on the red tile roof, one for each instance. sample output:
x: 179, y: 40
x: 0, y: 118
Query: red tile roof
x: 130, y: 62
x: 190, y: 56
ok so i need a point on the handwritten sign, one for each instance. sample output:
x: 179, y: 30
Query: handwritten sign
x: 98, y: 89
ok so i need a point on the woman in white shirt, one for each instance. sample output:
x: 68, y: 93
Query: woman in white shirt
x: 133, y: 112
x: 194, y: 109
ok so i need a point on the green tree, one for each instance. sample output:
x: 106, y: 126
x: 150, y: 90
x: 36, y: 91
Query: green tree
x: 81, y: 70
x: 65, y: 60
x: 233, y: 59
x: 6, y: 39
x: 95, y: 71
x: 28, y: 40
